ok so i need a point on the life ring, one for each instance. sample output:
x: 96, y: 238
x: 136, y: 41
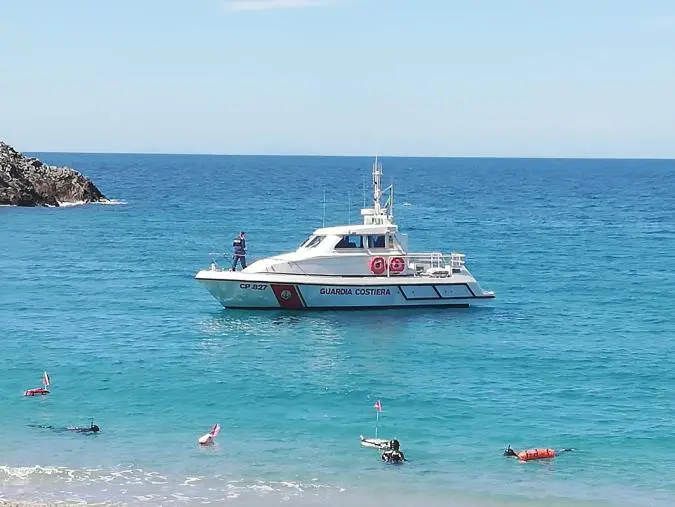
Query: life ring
x: 531, y: 454
x: 396, y: 264
x: 377, y: 265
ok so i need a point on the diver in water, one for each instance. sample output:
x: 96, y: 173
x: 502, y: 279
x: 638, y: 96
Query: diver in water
x: 93, y: 428
x: 532, y: 454
x: 394, y: 453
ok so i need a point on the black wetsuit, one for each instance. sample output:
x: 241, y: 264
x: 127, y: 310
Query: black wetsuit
x: 393, y: 456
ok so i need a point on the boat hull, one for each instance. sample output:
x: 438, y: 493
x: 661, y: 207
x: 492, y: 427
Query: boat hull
x: 266, y: 294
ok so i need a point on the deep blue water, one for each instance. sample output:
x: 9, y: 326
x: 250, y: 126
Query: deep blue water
x: 576, y: 351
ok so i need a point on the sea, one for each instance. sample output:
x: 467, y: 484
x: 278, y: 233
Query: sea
x: 577, y: 350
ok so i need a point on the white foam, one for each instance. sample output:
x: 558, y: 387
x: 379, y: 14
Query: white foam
x: 57, y: 485
x: 105, y: 202
x: 261, y: 487
x: 190, y: 480
x: 144, y: 498
x: 70, y: 204
x: 112, y: 202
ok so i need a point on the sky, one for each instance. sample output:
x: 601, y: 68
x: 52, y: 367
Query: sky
x: 531, y: 78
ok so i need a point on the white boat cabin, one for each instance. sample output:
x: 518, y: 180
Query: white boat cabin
x: 373, y: 248
x: 346, y: 250
x: 356, y: 239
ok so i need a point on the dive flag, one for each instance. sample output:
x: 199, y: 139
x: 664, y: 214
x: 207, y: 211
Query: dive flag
x: 215, y: 430
x: 378, y: 406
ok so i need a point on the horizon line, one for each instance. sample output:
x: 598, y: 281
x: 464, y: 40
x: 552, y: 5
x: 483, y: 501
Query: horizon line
x: 306, y: 155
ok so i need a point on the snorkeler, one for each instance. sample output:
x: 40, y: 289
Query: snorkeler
x: 393, y: 454
x: 93, y: 428
x: 531, y: 454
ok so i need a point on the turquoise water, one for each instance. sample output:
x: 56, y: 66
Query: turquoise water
x: 576, y: 351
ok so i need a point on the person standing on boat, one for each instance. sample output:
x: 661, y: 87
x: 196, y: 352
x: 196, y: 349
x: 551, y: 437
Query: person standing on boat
x: 239, y: 251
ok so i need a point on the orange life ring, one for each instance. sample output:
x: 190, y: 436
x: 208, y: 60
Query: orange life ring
x: 396, y: 264
x: 377, y: 265
x: 531, y: 454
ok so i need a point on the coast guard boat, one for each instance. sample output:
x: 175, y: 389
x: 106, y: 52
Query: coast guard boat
x: 349, y: 267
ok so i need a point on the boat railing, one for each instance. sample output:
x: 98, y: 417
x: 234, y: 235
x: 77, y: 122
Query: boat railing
x: 437, y: 263
x: 215, y: 257
x: 416, y: 264
x: 223, y: 261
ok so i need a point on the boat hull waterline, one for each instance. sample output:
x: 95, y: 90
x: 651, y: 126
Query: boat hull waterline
x: 260, y: 292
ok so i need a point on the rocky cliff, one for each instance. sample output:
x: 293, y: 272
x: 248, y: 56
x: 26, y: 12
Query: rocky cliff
x: 26, y: 181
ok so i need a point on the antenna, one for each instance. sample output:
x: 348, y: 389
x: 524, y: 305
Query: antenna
x: 349, y: 216
x: 377, y: 186
x: 324, y: 206
x: 391, y: 198
x: 364, y: 191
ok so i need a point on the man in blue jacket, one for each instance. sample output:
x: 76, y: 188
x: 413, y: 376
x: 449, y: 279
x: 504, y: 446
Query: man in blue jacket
x: 239, y: 251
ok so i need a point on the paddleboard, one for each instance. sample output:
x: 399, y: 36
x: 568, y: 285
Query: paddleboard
x: 375, y: 443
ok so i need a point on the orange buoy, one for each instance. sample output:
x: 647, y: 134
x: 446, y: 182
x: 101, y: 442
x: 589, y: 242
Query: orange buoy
x: 377, y: 265
x: 530, y: 454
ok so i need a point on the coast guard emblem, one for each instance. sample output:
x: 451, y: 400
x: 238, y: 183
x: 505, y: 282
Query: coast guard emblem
x: 288, y: 296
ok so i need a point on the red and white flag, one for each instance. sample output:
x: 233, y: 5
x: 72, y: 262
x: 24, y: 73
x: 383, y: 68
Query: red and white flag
x: 378, y: 406
x: 45, y: 379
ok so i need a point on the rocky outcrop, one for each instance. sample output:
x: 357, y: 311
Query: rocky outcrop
x: 26, y: 181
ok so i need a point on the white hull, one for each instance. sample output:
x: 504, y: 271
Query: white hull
x: 307, y: 292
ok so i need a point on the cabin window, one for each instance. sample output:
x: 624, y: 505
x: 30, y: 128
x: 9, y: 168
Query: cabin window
x: 313, y: 241
x: 376, y: 241
x: 348, y: 242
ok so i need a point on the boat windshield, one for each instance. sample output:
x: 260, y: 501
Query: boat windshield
x: 350, y: 242
x: 312, y: 241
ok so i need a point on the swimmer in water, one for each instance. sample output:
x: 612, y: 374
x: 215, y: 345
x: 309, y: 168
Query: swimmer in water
x: 93, y: 428
x: 394, y: 453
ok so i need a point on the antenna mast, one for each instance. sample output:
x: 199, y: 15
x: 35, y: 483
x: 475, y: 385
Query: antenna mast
x: 377, y: 186
x: 349, y: 216
x: 364, y: 191
x: 324, y: 207
x: 390, y: 211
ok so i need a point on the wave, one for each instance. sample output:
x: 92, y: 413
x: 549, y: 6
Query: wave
x: 39, y: 485
x: 30, y: 485
x: 72, y: 204
x: 112, y: 202
x: 106, y: 202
